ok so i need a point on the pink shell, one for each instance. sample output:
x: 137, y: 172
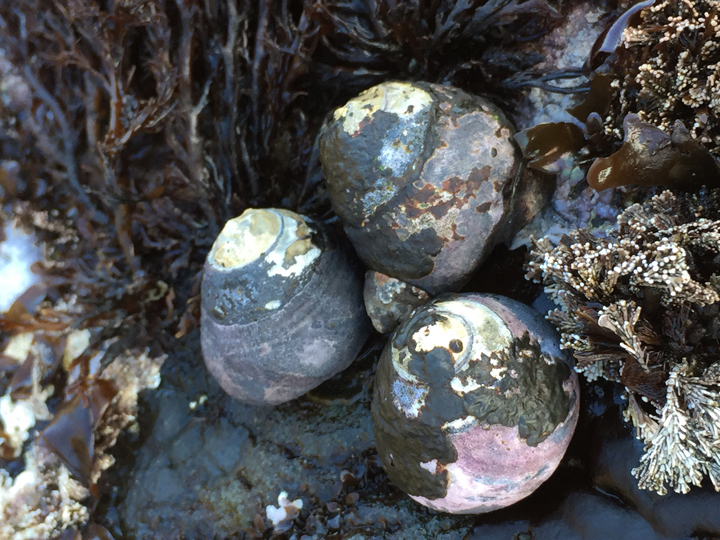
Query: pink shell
x: 496, y: 468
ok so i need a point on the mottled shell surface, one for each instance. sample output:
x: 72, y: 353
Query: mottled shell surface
x: 422, y: 177
x: 474, y: 403
x: 388, y: 300
x: 282, y: 310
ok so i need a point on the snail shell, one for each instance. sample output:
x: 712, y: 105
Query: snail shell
x: 422, y: 177
x: 474, y: 403
x: 282, y: 310
x: 388, y: 300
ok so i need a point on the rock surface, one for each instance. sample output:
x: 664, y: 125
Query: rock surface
x: 209, y: 467
x: 582, y: 516
x: 673, y: 515
x: 209, y: 470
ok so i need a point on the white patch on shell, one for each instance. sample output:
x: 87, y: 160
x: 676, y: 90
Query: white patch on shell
x: 245, y: 239
x: 277, y: 236
x: 404, y: 139
x: 498, y: 372
x: 430, y: 466
x: 440, y: 333
x: 403, y: 99
x: 479, y: 330
x: 426, y: 220
x: 402, y: 144
x: 461, y: 388
x: 399, y: 358
x: 383, y: 192
x: 460, y: 424
x: 294, y: 242
x: 272, y: 304
x: 408, y: 398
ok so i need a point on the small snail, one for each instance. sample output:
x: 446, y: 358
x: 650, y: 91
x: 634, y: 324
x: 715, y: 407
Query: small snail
x: 423, y: 178
x: 388, y: 300
x: 474, y: 403
x: 282, y: 309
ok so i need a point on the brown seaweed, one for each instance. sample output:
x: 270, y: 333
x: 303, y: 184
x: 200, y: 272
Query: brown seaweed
x: 651, y: 157
x: 71, y: 435
x: 147, y: 124
x: 611, y: 38
x: 548, y: 147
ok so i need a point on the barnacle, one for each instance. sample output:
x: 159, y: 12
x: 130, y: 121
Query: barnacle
x: 668, y: 69
x: 640, y: 308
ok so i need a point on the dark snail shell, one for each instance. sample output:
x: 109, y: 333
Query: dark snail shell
x: 282, y: 310
x: 422, y: 177
x: 388, y: 300
x: 474, y: 403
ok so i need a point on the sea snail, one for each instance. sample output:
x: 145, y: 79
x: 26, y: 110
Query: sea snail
x: 423, y: 178
x: 474, y: 403
x: 282, y: 308
x: 388, y: 300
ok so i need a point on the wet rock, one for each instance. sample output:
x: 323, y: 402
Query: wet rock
x: 388, y: 300
x: 565, y: 50
x: 210, y: 466
x: 573, y: 204
x: 583, y: 516
x: 673, y: 515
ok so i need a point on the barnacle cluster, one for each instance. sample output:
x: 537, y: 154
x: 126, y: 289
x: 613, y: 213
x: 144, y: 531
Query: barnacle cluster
x: 669, y: 69
x: 640, y: 307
